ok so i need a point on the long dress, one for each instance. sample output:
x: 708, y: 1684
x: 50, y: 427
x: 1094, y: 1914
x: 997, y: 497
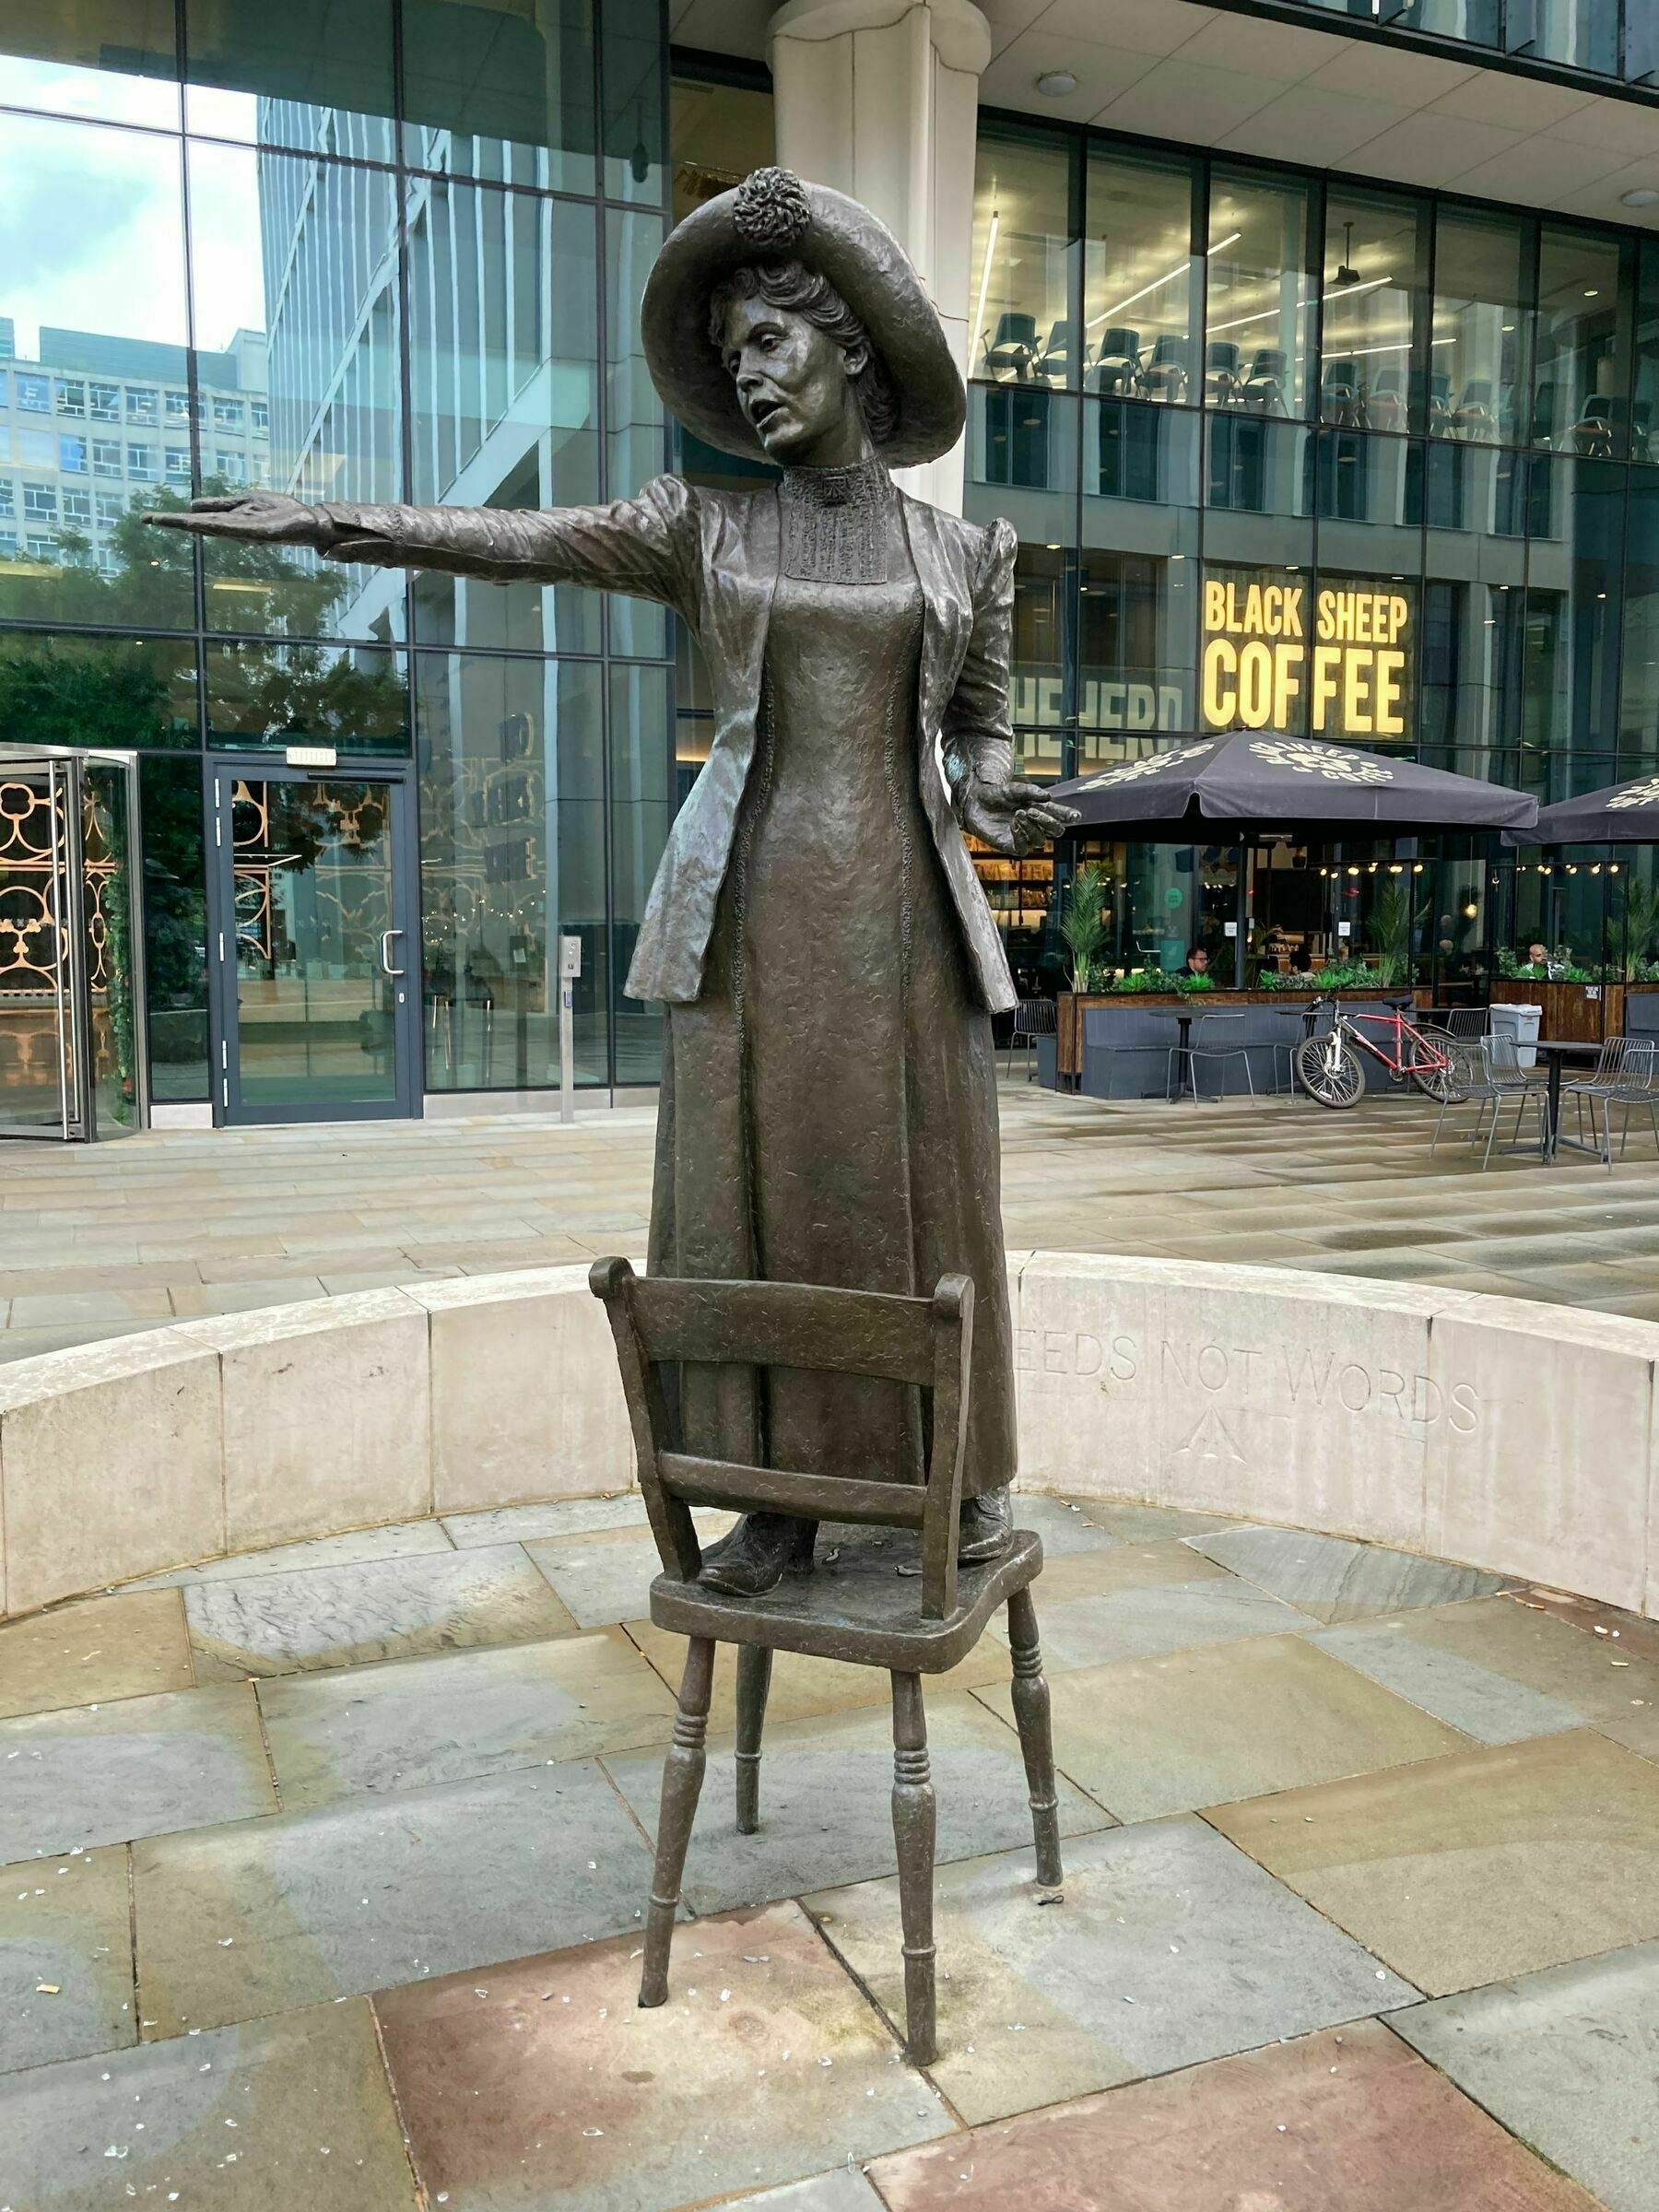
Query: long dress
x: 829, y: 1104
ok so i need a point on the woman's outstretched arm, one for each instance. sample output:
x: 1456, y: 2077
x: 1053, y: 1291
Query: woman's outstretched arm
x: 647, y: 547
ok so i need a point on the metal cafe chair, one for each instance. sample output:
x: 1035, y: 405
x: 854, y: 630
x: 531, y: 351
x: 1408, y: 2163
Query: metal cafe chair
x: 1219, y: 1038
x: 1624, y: 1076
x: 1486, y: 1073
x: 869, y: 1610
x: 1033, y: 1018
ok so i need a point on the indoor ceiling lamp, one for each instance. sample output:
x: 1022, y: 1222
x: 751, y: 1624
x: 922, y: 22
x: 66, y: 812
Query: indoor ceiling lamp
x: 1055, y: 84
x: 1168, y: 277
x: 1346, y: 275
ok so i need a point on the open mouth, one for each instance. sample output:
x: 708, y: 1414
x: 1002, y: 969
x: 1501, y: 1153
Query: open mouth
x: 761, y: 411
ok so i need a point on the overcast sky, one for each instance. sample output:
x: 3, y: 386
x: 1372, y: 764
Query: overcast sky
x: 91, y: 229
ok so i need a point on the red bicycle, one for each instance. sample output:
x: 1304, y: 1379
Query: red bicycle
x: 1329, y: 1068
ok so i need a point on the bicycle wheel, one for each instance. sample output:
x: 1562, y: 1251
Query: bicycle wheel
x: 1329, y: 1071
x: 1447, y: 1086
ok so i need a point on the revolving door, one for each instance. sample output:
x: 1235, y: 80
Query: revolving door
x: 72, y: 1048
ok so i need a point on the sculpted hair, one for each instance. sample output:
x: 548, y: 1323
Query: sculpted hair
x: 791, y: 286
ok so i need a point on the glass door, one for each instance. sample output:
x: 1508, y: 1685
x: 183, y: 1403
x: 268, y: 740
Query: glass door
x: 72, y: 1049
x: 316, y: 1012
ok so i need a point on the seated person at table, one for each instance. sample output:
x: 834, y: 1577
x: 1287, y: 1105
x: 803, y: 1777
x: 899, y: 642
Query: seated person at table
x: 1540, y: 962
x: 1197, y: 961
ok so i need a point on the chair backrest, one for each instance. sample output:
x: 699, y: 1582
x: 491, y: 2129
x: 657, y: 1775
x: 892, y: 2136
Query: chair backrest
x: 1222, y: 353
x: 1269, y: 361
x: 1035, y: 1018
x: 1015, y: 330
x: 1503, y: 1063
x: 662, y: 1322
x: 1119, y: 343
x: 1222, y: 1030
x: 1471, y: 1077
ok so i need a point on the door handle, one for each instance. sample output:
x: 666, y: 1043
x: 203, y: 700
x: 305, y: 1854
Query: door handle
x: 386, y: 937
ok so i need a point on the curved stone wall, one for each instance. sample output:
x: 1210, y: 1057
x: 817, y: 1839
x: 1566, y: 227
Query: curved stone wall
x: 1507, y: 1435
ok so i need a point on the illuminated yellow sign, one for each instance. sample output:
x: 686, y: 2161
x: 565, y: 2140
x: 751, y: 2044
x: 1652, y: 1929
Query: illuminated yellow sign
x: 1272, y: 651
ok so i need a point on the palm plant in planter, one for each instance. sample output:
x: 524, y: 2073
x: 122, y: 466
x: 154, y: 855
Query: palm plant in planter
x: 1083, y: 925
x: 1637, y: 916
x: 1394, y: 920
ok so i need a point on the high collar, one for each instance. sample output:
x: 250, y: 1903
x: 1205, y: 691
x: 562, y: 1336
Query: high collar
x: 861, y: 483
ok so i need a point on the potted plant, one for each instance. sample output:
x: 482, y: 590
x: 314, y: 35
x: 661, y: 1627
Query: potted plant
x: 1393, y: 923
x: 1083, y: 925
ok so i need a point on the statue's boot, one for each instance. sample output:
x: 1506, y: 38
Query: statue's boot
x: 753, y: 1559
x: 985, y: 1527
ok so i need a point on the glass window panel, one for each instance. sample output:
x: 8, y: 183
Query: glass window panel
x: 1583, y: 33
x: 1136, y: 631
x: 1134, y: 455
x: 504, y: 381
x: 1140, y: 288
x: 295, y: 266
x: 502, y: 92
x: 511, y: 855
x: 643, y: 799
x: 1022, y: 461
x: 1371, y: 502
x: 117, y: 692
x: 1478, y: 343
x: 264, y: 696
x: 175, y: 926
x: 630, y: 69
x: 1644, y: 399
x: 1024, y: 258
x: 719, y: 132
x: 1258, y: 295
x: 1639, y: 698
x: 94, y: 252
x: 1362, y: 657
x: 1579, y: 404
x: 1257, y: 628
x: 1477, y: 22
x: 114, y: 60
x: 1043, y: 581
x: 313, y: 74
x: 1376, y: 282
x: 1573, y: 600
x: 635, y: 422
x: 1469, y: 675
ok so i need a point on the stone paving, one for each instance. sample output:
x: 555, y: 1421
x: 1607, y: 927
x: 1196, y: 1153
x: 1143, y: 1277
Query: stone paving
x: 100, y: 1240
x: 322, y: 1873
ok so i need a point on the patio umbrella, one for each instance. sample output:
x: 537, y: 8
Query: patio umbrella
x: 1259, y: 776
x: 1616, y: 814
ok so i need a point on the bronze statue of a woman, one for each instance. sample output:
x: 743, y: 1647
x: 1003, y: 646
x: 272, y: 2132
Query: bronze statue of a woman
x: 815, y: 930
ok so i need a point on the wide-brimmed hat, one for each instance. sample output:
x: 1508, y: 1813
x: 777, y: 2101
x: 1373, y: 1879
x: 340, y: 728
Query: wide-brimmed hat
x: 773, y: 216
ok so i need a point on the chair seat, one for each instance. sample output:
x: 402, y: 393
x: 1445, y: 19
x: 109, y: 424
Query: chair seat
x: 862, y: 1602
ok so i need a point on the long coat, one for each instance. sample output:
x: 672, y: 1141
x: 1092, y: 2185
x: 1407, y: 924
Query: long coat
x: 713, y: 558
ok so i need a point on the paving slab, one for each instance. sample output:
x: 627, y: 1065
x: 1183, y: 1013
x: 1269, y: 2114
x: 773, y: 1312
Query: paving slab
x: 803, y: 1687
x: 140, y: 1767
x: 1483, y: 1703
x: 1170, y: 1948
x: 555, y: 1517
x: 255, y: 1918
x: 1334, y: 1578
x: 1539, y: 1651
x: 1348, y: 2118
x: 65, y: 1959
x: 1468, y: 1869
x: 395, y: 1540
x: 1569, y: 2060
x: 281, y: 1624
x: 845, y: 2190
x: 825, y: 1812
x: 414, y: 1722
x: 1136, y: 1524
x: 93, y: 1652
x: 1163, y: 1617
x: 1167, y: 1735
x: 1064, y: 1528
x: 1123, y: 1566
x: 603, y: 1578
x: 290, y: 2112
x: 766, y: 2065
x: 1639, y: 1636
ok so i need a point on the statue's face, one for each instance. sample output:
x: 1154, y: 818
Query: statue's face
x: 794, y: 381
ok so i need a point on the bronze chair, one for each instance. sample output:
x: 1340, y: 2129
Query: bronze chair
x: 867, y: 1607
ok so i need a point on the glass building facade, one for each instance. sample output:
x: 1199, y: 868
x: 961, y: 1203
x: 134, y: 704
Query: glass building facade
x: 1613, y: 39
x: 1306, y: 452
x: 375, y: 249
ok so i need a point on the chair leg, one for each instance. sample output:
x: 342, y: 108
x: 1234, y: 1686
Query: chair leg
x: 913, y: 1826
x: 754, y: 1679
x: 1035, y: 1739
x: 682, y: 1785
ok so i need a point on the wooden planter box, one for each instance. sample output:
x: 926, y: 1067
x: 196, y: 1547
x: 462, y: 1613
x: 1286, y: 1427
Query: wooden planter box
x: 1582, y: 1013
x: 1073, y: 1005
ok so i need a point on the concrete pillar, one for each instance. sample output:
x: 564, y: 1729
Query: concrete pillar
x: 880, y: 99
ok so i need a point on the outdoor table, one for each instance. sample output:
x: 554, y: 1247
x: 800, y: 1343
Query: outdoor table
x: 1556, y: 1050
